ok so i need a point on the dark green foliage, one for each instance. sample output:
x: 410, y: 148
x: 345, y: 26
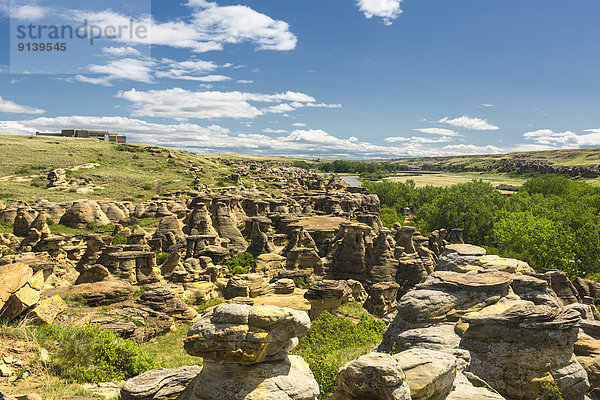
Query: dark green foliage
x: 161, y: 258
x: 90, y: 354
x: 389, y: 216
x: 361, y: 167
x: 301, y: 283
x: 303, y: 164
x: 333, y: 341
x: 119, y: 239
x: 551, y: 222
x: 240, y: 263
x: 550, y: 391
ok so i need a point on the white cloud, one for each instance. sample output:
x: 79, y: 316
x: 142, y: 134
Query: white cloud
x: 121, y: 51
x: 209, y: 27
x: 213, y: 138
x: 438, y: 131
x: 269, y: 130
x: 28, y: 12
x: 123, y: 69
x: 7, y: 106
x: 299, y: 124
x: 386, y: 9
x: 245, y: 81
x: 179, y: 103
x: 417, y: 139
x: 487, y: 105
x: 470, y: 123
x: 567, y: 139
x: 458, y: 149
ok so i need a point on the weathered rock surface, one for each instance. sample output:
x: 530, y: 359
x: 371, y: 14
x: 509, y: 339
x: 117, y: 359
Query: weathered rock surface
x: 287, y: 379
x: 515, y: 350
x: 232, y: 333
x: 159, y: 384
x: 374, y: 376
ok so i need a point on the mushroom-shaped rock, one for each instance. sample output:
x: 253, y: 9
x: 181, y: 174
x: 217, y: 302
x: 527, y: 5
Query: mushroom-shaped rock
x: 382, y: 298
x: 327, y: 295
x: 235, y: 333
x: 374, y: 376
x: 460, y: 258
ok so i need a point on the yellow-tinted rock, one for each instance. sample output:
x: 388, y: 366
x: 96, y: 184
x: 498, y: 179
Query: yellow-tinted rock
x: 47, y: 310
x: 12, y: 278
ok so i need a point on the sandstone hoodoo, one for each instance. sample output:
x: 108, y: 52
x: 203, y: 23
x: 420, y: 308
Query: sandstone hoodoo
x: 238, y: 341
x: 224, y: 262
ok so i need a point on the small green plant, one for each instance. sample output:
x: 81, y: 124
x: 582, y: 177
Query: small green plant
x: 240, y: 263
x: 550, y: 391
x: 333, y: 341
x: 209, y: 303
x: 300, y: 283
x: 119, y: 239
x: 139, y: 291
x: 90, y: 354
x: 161, y: 258
x: 74, y: 300
x: 7, y: 252
x: 147, y: 186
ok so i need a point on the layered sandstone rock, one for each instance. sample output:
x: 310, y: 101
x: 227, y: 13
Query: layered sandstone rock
x: 327, y: 295
x: 250, y: 342
x: 516, y: 350
x: 374, y: 376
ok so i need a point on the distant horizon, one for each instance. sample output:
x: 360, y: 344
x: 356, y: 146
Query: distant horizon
x: 355, y: 79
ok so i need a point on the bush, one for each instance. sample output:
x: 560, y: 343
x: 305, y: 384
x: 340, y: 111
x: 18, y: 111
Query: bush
x: 90, y: 354
x: 161, y: 258
x: 119, y: 239
x: 333, y: 341
x: 302, y: 164
x: 240, y: 263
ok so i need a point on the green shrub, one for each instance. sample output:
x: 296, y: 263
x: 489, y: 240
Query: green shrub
x: 90, y: 354
x: 161, y: 258
x: 119, y: 239
x: 302, y: 164
x: 550, y: 391
x: 333, y: 341
x: 300, y: 283
x: 240, y: 263
x: 147, y: 186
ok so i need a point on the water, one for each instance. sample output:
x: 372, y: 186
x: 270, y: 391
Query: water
x: 352, y: 180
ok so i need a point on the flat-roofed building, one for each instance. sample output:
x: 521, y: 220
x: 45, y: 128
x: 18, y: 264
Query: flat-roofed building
x: 106, y: 136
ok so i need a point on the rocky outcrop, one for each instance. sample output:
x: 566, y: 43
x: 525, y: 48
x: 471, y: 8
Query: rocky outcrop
x: 20, y: 290
x: 374, y: 376
x: 327, y: 295
x: 159, y: 384
x: 516, y: 350
x: 350, y: 253
x: 225, y: 226
x: 250, y: 342
x: 83, y: 214
x: 382, y: 298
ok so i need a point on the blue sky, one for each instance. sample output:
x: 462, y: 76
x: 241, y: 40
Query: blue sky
x: 315, y: 78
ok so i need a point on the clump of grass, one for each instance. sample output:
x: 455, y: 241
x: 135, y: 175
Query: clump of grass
x: 333, y: 341
x: 167, y: 350
x: 161, y: 258
x: 90, y: 354
x: 209, y: 303
x: 240, y: 263
x: 119, y: 239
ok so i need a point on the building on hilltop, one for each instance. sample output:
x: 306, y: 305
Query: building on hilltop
x: 84, y: 133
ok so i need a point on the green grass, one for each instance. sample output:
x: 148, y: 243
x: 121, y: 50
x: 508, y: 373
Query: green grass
x: 167, y: 350
x: 120, y: 173
x: 62, y: 229
x: 333, y: 341
x: 5, y: 228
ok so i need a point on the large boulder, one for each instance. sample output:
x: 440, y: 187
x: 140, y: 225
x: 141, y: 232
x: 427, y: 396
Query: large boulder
x: 374, y: 376
x: 159, y: 384
x: 233, y: 333
x: 83, y: 214
x: 287, y: 379
x: 430, y: 374
x: 516, y: 350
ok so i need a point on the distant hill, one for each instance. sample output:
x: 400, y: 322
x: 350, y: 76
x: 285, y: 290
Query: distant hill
x: 578, y: 162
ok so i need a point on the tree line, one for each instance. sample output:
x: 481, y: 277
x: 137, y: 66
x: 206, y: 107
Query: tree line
x: 551, y: 222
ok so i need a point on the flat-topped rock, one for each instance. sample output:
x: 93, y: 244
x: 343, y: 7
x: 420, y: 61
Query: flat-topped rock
x: 159, y: 384
x: 233, y: 333
x: 514, y: 350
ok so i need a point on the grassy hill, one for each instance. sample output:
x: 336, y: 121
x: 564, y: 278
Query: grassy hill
x: 557, y: 158
x: 124, y: 171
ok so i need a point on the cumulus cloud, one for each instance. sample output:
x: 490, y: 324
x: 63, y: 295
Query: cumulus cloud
x: 417, y: 139
x: 121, y: 51
x: 269, y: 130
x: 566, y: 139
x: 214, y: 138
x: 209, y: 27
x: 7, y: 106
x: 299, y: 124
x: 438, y: 131
x: 179, y: 103
x: 457, y: 149
x: 388, y: 10
x: 28, y: 12
x: 476, y: 124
